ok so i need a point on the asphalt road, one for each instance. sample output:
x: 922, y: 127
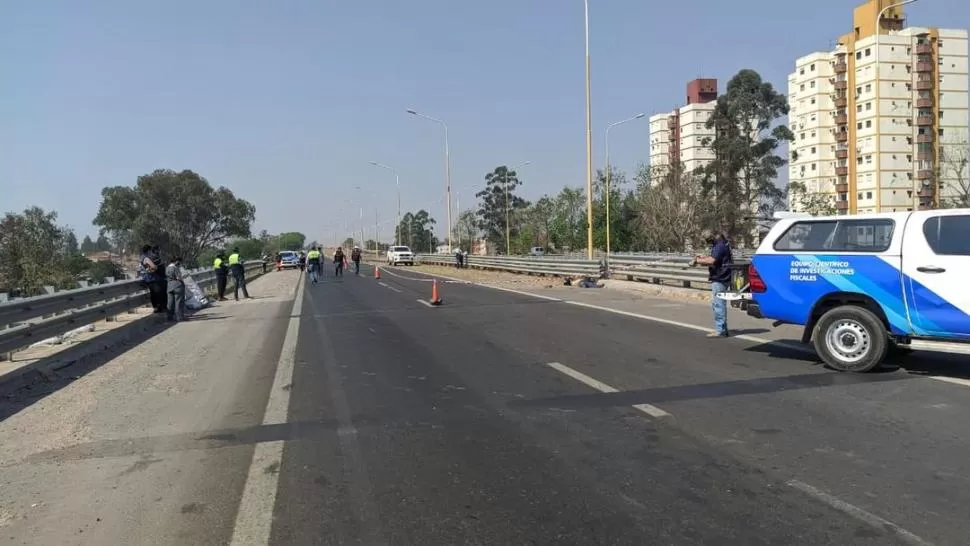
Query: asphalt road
x: 351, y: 412
x: 460, y: 424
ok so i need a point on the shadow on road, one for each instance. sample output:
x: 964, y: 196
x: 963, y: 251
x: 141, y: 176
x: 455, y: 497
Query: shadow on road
x: 48, y: 375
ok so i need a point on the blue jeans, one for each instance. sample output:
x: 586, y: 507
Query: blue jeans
x: 719, y: 306
x: 312, y: 269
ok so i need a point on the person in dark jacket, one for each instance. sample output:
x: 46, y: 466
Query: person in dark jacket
x: 719, y: 272
x: 153, y: 278
x: 175, y: 286
x: 222, y: 274
x: 238, y: 274
x: 338, y: 262
x: 355, y: 257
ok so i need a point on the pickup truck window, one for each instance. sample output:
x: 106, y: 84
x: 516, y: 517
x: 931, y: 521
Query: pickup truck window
x: 857, y: 235
x: 948, y: 235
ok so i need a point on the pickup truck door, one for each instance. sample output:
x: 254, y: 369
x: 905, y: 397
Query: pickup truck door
x: 936, y: 272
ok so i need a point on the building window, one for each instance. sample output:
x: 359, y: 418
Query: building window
x: 858, y: 54
x: 813, y: 149
x: 811, y: 84
x: 801, y: 72
x: 813, y: 99
x: 859, y: 196
x: 869, y: 159
x: 868, y: 106
x: 868, y: 87
x: 868, y: 123
x: 858, y: 108
x: 858, y: 125
x: 802, y: 87
x: 868, y: 195
x: 813, y: 166
x: 813, y: 134
x: 858, y: 90
x: 801, y: 136
x: 868, y: 52
x: 812, y: 68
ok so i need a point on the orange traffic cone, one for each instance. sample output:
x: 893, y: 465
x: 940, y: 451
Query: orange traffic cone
x: 377, y: 272
x: 435, y: 299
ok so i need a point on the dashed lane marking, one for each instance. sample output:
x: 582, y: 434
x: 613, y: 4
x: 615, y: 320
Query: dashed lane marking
x: 649, y: 409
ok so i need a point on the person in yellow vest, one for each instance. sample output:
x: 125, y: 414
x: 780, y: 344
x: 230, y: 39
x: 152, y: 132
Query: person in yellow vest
x: 222, y: 274
x: 238, y: 274
x: 313, y: 259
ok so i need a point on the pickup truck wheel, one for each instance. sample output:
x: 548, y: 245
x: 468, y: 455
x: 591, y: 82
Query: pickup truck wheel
x: 851, y: 339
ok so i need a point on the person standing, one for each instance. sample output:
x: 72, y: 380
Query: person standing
x: 176, y: 290
x: 355, y: 257
x: 222, y: 274
x: 338, y: 262
x: 719, y: 273
x: 238, y: 274
x: 149, y: 271
x: 313, y: 264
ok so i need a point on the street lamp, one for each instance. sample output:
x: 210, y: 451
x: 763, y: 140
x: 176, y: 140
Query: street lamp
x: 397, y: 182
x: 609, y: 172
x: 589, y: 148
x: 508, y: 239
x: 447, y: 167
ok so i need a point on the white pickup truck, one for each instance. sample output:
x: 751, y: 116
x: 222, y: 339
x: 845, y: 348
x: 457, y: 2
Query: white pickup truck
x: 864, y: 285
x: 400, y: 255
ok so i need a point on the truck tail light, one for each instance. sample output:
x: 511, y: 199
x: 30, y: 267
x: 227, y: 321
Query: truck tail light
x: 755, y: 282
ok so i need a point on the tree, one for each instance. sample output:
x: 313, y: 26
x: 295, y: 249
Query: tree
x: 32, y: 251
x: 292, y: 240
x: 179, y: 211
x: 814, y: 203
x: 620, y: 215
x: 740, y: 179
x: 348, y: 243
x: 465, y: 230
x: 567, y: 228
x: 499, y: 203
x: 954, y: 174
x: 87, y: 245
x: 417, y: 231
x: 70, y: 246
x: 671, y: 211
x: 102, y: 244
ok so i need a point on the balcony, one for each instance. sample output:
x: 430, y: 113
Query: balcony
x: 924, y: 67
x: 842, y: 136
x: 924, y: 156
x: 841, y: 154
x: 924, y: 121
x: 923, y: 85
x: 841, y: 171
x: 842, y: 187
x: 924, y: 139
x: 926, y: 192
x: 926, y: 102
x: 841, y: 119
x: 841, y: 206
x: 841, y: 67
x: 924, y: 49
x: 841, y: 102
x: 924, y: 174
x: 841, y: 84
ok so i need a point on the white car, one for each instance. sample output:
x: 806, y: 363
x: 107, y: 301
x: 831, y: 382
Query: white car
x: 400, y: 255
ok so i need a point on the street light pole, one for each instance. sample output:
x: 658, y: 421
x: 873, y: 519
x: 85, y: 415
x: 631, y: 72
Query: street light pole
x: 589, y: 148
x: 447, y: 167
x: 609, y: 173
x: 397, y: 182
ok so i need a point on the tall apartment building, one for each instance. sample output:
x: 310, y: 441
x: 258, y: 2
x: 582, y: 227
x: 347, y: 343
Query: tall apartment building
x: 876, y: 119
x: 676, y: 137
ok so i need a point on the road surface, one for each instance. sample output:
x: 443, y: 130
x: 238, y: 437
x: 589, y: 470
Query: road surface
x: 352, y: 412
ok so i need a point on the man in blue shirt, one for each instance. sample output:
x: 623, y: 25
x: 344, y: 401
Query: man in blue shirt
x: 719, y: 272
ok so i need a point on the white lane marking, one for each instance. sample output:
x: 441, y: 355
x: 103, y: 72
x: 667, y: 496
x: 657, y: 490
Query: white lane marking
x: 385, y: 285
x: 405, y: 277
x: 649, y: 409
x: 425, y: 302
x: 858, y: 513
x: 254, y: 519
x: 954, y: 380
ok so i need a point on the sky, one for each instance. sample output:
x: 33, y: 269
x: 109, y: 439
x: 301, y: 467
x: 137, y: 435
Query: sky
x: 287, y: 102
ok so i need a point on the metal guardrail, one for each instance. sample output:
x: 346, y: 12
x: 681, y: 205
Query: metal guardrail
x: 657, y: 269
x: 29, y: 320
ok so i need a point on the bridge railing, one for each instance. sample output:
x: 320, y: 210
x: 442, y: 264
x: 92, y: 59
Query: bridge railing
x: 26, y: 321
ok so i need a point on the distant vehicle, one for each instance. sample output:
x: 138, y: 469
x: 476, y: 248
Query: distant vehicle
x: 537, y: 251
x: 289, y: 259
x: 400, y: 255
x: 865, y: 285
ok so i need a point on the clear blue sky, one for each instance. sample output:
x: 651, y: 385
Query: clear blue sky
x: 285, y: 102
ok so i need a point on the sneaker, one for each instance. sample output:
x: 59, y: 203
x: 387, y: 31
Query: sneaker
x: 717, y: 334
